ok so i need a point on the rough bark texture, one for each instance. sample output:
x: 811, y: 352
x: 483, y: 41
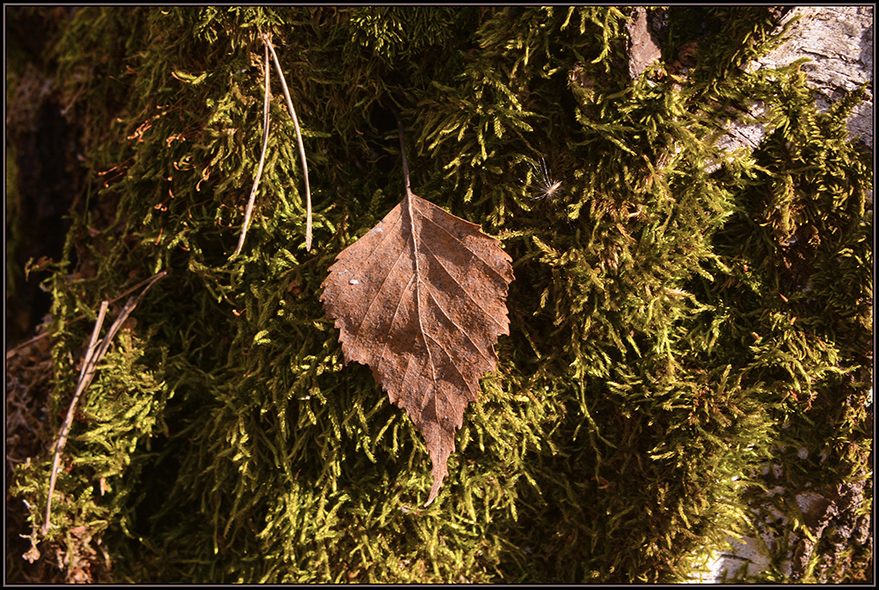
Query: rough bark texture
x: 838, y: 41
x: 644, y: 50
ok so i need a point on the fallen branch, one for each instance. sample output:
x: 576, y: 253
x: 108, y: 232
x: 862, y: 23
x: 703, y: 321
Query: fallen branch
x: 93, y: 355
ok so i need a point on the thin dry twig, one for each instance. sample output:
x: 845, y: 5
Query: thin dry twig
x: 299, y: 141
x: 262, y: 158
x: 95, y: 352
x: 13, y: 351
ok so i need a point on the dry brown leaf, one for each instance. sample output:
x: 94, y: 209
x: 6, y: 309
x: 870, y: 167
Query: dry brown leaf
x: 421, y: 299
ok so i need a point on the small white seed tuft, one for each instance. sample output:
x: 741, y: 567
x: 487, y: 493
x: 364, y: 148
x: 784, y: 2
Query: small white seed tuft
x: 545, y: 187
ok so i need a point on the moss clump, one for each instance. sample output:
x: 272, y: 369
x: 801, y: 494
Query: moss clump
x: 671, y: 329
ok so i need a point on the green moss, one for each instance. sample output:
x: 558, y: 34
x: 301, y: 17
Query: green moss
x: 667, y: 335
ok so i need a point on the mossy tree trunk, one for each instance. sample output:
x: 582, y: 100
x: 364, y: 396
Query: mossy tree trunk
x: 690, y: 326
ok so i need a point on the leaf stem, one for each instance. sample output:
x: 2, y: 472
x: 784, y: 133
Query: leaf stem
x: 403, y: 151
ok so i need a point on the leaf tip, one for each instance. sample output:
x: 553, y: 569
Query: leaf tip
x: 434, y: 491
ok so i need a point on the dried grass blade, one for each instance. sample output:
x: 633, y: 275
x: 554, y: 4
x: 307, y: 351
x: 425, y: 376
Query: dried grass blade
x: 262, y: 158
x: 85, y: 377
x: 308, y: 230
x: 12, y: 352
x: 95, y: 352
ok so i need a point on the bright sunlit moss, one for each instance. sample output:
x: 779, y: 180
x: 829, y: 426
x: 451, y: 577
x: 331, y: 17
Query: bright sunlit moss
x: 671, y: 329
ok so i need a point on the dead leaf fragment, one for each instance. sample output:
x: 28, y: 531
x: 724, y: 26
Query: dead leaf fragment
x: 421, y: 299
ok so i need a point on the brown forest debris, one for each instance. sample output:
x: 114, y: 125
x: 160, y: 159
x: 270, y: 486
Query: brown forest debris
x: 421, y: 300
